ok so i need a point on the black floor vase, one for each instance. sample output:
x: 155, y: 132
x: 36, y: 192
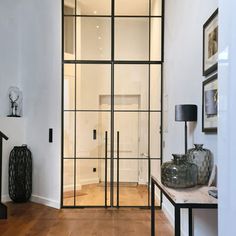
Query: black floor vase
x: 20, y: 174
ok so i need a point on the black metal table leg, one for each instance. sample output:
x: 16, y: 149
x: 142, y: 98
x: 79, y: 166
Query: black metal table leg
x: 190, y: 221
x: 177, y: 221
x: 152, y: 208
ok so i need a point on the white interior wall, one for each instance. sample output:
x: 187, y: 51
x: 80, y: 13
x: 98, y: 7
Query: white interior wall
x: 40, y: 63
x: 9, y: 76
x: 183, y: 85
x: 227, y: 125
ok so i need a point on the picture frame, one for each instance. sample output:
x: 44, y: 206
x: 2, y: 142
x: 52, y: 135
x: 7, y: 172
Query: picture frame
x: 210, y: 44
x: 210, y: 104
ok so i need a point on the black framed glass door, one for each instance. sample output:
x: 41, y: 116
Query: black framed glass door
x: 112, y: 101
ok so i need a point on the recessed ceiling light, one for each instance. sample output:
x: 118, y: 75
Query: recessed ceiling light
x: 94, y: 12
x: 99, y: 37
x: 97, y: 26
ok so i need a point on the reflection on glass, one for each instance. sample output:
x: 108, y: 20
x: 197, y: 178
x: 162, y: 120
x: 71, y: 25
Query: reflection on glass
x: 155, y: 135
x: 133, y: 183
x: 131, y: 87
x: 93, y: 7
x: 89, y: 145
x: 93, y: 36
x: 155, y: 39
x: 69, y: 129
x: 69, y: 7
x: 93, y: 87
x: 155, y: 87
x: 69, y: 38
x: 68, y: 183
x: 90, y: 183
x: 131, y: 38
x: 124, y: 7
x: 133, y: 129
x: 69, y: 87
x: 156, y: 7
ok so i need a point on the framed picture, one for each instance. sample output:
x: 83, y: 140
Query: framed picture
x: 210, y: 104
x: 210, y: 44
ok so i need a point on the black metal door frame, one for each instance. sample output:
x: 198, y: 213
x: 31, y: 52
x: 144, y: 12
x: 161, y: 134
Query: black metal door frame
x: 113, y: 62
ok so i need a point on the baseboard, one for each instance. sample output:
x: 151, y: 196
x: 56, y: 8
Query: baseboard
x: 45, y: 201
x: 89, y: 181
x: 36, y: 199
x: 6, y: 198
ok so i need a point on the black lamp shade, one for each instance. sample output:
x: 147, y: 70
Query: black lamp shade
x: 186, y: 112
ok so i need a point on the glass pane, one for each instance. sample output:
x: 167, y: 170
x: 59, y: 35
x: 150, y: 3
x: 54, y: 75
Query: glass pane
x: 155, y: 135
x: 155, y: 87
x: 133, y: 129
x: 156, y: 7
x: 124, y: 7
x: 156, y: 172
x: 131, y: 38
x: 69, y: 7
x: 93, y: 84
x: 69, y: 129
x: 68, y: 183
x: 69, y: 87
x: 155, y: 39
x: 90, y: 183
x: 90, y: 134
x: 93, y: 36
x: 69, y: 38
x: 131, y: 87
x: 133, y: 182
x: 93, y: 7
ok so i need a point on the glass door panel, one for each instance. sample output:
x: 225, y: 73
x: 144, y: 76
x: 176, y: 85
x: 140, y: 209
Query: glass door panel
x: 91, y: 185
x: 124, y: 7
x: 156, y: 39
x: 90, y: 134
x: 133, y: 131
x: 131, y: 87
x: 132, y: 179
x: 131, y: 38
x: 93, y: 82
x: 68, y: 182
x: 93, y: 7
x: 93, y: 38
x: 155, y: 135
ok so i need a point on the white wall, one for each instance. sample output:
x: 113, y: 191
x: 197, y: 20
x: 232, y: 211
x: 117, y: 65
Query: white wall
x: 227, y: 125
x: 9, y: 48
x: 40, y: 62
x: 183, y: 84
x: 9, y: 76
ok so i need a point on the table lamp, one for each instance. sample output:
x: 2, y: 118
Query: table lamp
x: 186, y: 113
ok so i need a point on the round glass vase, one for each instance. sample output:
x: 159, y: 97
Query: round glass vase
x: 203, y: 159
x: 179, y: 173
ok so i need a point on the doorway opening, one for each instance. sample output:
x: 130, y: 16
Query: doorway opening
x: 112, y: 101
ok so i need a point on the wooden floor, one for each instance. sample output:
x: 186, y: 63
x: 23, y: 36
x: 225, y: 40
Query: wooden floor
x: 94, y: 195
x: 34, y: 219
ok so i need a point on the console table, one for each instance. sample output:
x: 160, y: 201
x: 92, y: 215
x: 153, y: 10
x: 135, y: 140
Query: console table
x: 189, y: 198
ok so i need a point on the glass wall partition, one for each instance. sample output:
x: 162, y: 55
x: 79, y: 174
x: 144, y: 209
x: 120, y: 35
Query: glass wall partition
x: 112, y: 101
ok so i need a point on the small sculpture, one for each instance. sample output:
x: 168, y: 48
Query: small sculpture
x: 15, y: 96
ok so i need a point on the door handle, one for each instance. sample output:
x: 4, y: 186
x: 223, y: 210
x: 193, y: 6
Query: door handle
x: 106, y: 169
x: 118, y: 168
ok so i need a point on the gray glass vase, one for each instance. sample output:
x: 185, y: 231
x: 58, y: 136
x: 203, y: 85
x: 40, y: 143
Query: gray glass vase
x: 203, y: 159
x: 178, y: 173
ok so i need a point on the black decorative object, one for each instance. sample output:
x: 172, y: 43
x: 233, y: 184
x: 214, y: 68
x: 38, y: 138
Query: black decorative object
x: 20, y: 174
x: 3, y: 208
x: 186, y: 112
